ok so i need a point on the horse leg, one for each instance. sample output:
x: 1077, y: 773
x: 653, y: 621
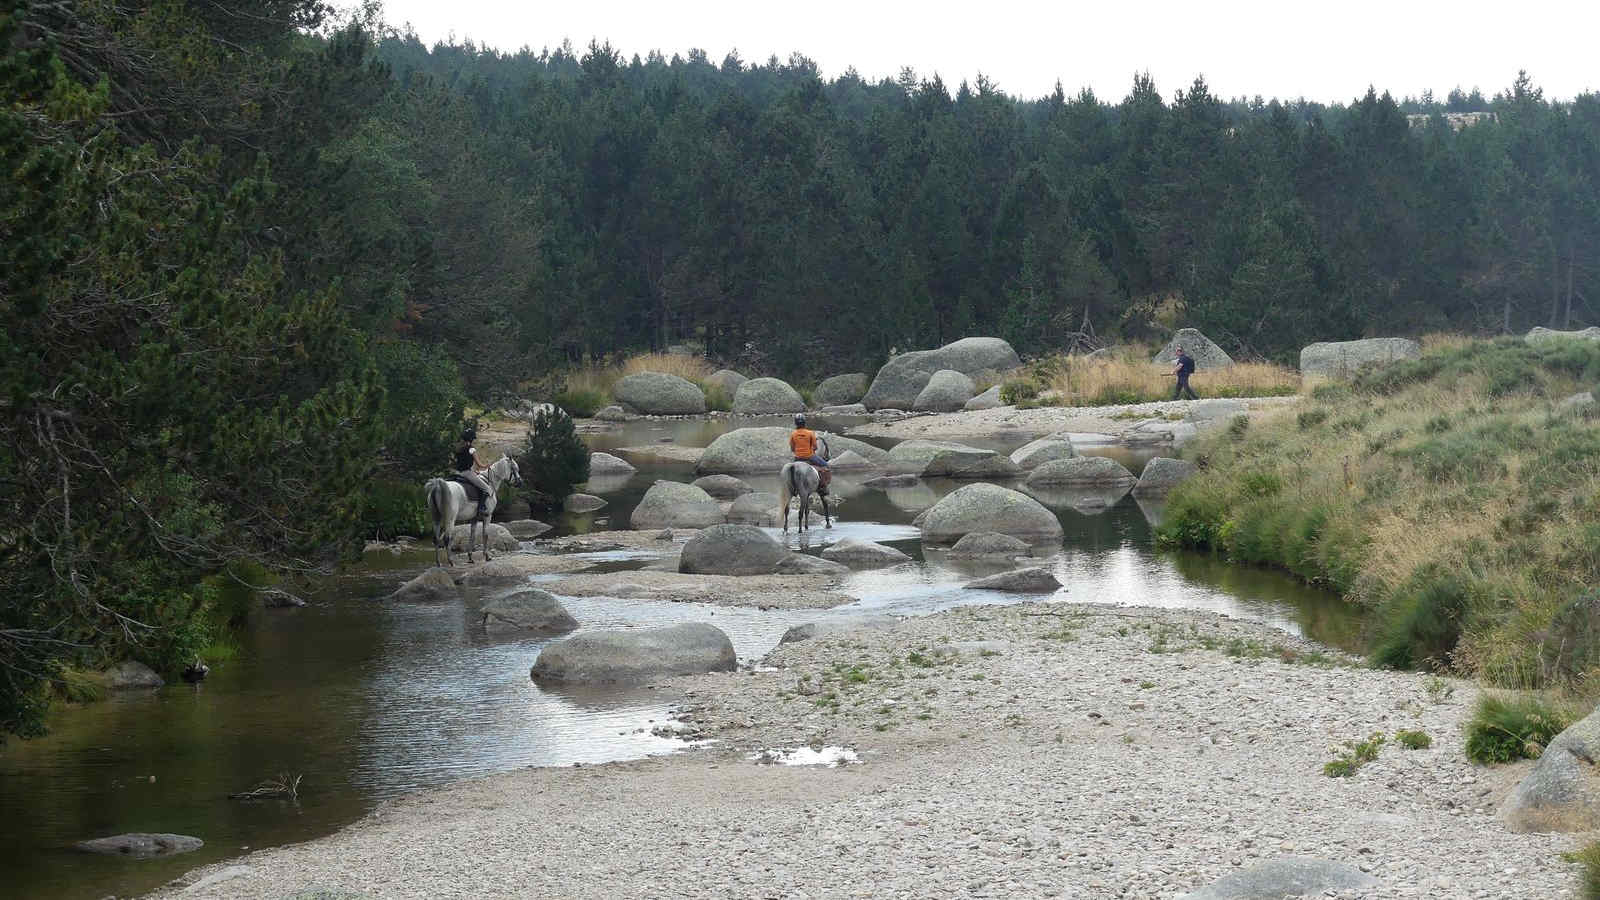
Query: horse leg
x: 484, y: 527
x: 783, y: 504
x: 827, y: 517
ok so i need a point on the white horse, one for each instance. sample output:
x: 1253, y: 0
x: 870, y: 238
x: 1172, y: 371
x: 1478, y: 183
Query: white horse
x: 447, y: 502
x: 800, y: 479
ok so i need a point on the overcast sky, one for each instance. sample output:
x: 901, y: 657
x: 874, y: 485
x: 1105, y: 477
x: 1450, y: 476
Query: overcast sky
x: 1322, y: 51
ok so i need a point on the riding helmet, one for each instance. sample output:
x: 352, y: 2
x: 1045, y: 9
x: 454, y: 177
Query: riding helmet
x: 799, y: 420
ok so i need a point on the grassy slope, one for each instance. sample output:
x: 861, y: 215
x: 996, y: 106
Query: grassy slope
x: 1446, y: 493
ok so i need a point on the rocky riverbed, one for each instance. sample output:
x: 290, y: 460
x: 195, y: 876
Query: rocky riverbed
x: 1043, y: 749
x: 1115, y: 422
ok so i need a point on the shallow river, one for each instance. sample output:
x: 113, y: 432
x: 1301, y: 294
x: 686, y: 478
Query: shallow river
x: 367, y: 700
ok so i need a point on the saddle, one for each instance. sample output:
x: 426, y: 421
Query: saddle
x: 473, y: 492
x: 824, y: 475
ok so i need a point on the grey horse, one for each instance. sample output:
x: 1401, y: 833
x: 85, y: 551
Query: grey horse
x: 800, y: 479
x: 447, y: 502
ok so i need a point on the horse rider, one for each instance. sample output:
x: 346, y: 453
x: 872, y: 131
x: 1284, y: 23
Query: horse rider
x: 806, y: 448
x: 468, y: 467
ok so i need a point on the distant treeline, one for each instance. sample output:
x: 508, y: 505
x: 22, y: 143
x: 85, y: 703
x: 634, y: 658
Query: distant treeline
x: 824, y: 222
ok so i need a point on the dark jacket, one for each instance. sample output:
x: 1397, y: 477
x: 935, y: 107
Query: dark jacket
x: 1185, y: 364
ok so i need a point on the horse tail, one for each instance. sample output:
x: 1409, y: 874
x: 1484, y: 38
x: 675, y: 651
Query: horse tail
x: 434, y: 490
x: 784, y: 494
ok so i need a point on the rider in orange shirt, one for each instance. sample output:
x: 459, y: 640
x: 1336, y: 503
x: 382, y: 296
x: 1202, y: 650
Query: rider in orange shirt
x: 804, y: 445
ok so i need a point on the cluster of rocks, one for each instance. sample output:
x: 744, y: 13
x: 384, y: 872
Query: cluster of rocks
x: 941, y: 380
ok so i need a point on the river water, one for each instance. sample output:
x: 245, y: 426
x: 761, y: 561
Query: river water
x: 367, y: 700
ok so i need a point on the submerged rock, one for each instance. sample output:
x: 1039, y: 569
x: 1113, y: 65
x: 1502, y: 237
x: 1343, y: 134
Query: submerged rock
x: 132, y: 675
x: 1081, y: 470
x: 432, y: 585
x: 766, y: 449
x: 497, y: 536
x: 722, y: 487
x: 526, y: 529
x: 859, y: 554
x: 731, y: 550
x: 988, y: 507
x: 530, y: 610
x: 980, y: 544
x: 673, y: 504
x: 636, y: 654
x: 581, y: 503
x: 1031, y: 580
x: 606, y: 464
x: 141, y: 845
x: 612, y: 413
x: 803, y: 564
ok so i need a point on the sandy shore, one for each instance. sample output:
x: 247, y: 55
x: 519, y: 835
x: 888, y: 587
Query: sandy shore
x: 1035, y: 750
x: 987, y: 423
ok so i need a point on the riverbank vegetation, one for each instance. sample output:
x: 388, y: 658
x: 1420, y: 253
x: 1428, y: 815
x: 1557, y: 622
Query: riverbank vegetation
x: 1127, y: 375
x: 1455, y: 495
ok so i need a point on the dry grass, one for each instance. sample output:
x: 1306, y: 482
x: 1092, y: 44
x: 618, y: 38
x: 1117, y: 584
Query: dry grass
x: 1130, y: 377
x: 691, y: 368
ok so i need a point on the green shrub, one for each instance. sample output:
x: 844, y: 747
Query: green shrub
x: 553, y: 460
x: 1356, y: 755
x: 581, y: 403
x: 719, y: 400
x: 393, y: 507
x: 1588, y: 858
x: 1311, y: 418
x: 1508, y: 727
x: 1237, y: 427
x: 1420, y: 624
x: 1017, y: 390
x: 1413, y: 740
x: 1569, y: 649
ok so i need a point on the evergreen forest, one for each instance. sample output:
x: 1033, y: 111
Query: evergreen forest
x: 255, y: 254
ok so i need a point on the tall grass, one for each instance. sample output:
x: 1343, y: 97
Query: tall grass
x: 1444, y: 493
x: 1508, y: 727
x: 689, y: 368
x: 583, y: 391
x: 1129, y: 376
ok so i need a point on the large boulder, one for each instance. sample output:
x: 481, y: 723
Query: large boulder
x: 139, y: 845
x: 756, y: 508
x: 841, y: 390
x: 434, y: 584
x: 989, y: 399
x: 612, y: 413
x: 1341, y: 359
x: 728, y: 380
x: 635, y: 655
x: 1207, y: 355
x: 1541, y: 335
x: 767, y: 449
x: 850, y: 459
x: 989, y: 507
x: 837, y: 626
x: 581, y: 503
x: 943, y: 459
x: 946, y: 391
x: 1288, y: 876
x: 673, y: 504
x: 859, y: 554
x: 760, y: 396
x: 656, y: 394
x: 1032, y: 580
x: 1562, y: 793
x: 731, y: 550
x: 1081, y: 470
x: 530, y: 610
x: 722, y: 487
x: 1036, y: 453
x: 496, y: 535
x: 606, y: 464
x: 903, y: 377
x: 1162, y: 475
x: 131, y: 675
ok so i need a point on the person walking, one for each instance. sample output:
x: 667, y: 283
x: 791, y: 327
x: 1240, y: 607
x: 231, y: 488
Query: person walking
x: 1183, y: 369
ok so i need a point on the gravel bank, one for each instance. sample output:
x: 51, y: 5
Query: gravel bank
x: 986, y: 423
x: 759, y: 591
x: 1033, y: 750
